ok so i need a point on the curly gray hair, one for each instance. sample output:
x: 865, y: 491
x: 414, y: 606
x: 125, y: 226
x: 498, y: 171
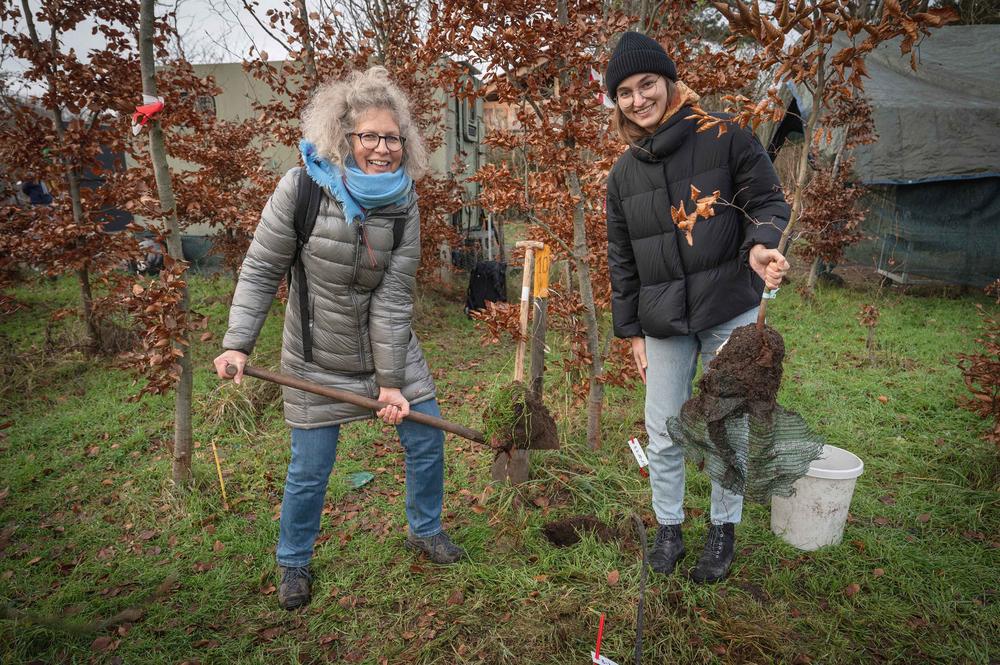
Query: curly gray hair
x: 334, y: 108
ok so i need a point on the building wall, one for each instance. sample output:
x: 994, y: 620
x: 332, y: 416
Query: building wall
x: 239, y: 90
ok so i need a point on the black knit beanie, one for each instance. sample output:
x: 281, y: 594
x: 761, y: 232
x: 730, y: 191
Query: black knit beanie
x: 637, y: 54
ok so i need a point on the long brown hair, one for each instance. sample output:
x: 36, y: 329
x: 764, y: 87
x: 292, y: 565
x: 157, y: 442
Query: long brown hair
x: 629, y: 131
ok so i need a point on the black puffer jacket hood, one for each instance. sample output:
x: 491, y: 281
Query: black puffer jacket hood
x: 661, y: 285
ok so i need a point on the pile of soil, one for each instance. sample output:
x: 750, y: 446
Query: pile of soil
x: 516, y: 418
x: 566, y: 532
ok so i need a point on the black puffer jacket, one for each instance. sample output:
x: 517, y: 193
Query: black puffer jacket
x: 661, y: 285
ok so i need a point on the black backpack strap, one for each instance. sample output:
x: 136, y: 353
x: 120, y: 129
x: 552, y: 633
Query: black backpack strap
x: 306, y: 209
x: 398, y: 226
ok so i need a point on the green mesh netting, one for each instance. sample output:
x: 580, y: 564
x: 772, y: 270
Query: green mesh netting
x: 934, y: 231
x: 734, y: 427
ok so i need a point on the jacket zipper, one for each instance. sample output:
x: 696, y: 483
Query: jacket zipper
x: 354, y: 296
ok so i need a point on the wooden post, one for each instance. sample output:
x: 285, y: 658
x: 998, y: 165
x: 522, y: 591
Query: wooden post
x: 444, y: 257
x: 541, y: 294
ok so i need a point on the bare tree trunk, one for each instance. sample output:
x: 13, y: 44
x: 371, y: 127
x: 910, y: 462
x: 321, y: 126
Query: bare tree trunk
x: 813, y: 276
x: 307, y: 45
x: 70, y: 172
x: 158, y: 154
x: 802, y: 168
x: 595, y: 398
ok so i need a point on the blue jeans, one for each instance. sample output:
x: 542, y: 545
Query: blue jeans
x: 313, y: 455
x: 671, y: 365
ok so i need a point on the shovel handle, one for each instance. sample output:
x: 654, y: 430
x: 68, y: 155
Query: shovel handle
x: 357, y: 400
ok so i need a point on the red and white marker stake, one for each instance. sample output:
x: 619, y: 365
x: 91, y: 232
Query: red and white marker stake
x: 640, y: 456
x: 595, y: 655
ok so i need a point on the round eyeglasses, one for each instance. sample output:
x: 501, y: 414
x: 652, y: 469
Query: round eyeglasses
x: 646, y: 89
x: 370, y: 140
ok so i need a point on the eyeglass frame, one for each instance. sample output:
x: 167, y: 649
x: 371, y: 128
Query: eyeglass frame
x: 638, y: 89
x: 381, y: 138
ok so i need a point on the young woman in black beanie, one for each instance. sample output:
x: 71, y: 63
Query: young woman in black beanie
x: 673, y: 300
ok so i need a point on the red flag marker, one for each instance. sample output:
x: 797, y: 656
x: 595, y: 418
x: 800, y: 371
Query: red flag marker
x: 600, y: 634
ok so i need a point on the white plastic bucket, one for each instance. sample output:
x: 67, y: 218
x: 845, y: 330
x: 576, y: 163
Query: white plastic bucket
x: 814, y: 516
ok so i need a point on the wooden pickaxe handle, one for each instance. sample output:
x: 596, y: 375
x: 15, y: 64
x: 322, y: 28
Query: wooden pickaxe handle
x: 357, y: 400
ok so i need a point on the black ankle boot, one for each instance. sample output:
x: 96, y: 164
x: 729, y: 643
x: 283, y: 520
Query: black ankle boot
x: 667, y: 550
x: 713, y: 564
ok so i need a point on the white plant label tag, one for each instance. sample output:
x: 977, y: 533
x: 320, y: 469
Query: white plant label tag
x: 638, y: 452
x: 769, y: 294
x: 602, y: 660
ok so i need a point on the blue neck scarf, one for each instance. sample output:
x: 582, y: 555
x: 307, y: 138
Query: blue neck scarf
x: 356, y: 191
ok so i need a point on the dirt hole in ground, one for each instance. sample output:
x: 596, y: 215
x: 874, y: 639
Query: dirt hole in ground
x: 566, y: 532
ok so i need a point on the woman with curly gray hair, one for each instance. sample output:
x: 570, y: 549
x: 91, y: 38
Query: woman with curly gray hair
x: 349, y: 309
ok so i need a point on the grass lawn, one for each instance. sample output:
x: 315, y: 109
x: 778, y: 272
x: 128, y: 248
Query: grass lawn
x: 100, y: 561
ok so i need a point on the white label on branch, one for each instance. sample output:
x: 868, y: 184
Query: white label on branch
x: 640, y: 454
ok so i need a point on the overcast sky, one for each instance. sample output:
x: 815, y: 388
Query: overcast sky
x: 211, y: 30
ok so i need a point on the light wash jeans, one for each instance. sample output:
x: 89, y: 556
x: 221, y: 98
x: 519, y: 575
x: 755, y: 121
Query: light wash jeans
x: 671, y: 365
x: 313, y: 455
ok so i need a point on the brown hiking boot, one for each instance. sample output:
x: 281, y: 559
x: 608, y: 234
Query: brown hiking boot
x: 438, y: 547
x: 295, y: 590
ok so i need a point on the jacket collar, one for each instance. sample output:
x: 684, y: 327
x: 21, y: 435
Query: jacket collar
x: 667, y: 138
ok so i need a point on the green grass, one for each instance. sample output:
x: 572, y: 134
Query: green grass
x: 89, y: 525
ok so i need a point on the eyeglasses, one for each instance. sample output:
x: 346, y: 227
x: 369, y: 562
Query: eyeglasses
x: 370, y: 140
x: 645, y: 89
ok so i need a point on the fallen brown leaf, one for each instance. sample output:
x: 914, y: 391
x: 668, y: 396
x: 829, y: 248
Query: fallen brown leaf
x: 269, y: 634
x: 456, y: 597
x: 101, y: 643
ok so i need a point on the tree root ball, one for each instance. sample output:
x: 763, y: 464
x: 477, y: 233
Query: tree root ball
x: 516, y: 418
x: 748, y: 366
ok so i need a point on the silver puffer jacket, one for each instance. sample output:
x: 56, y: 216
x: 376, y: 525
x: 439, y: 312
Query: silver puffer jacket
x: 360, y: 301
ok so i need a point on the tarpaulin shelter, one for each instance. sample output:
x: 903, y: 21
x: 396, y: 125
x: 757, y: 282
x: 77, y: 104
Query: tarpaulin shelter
x: 934, y: 171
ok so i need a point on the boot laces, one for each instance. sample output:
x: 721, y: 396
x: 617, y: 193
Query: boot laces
x: 292, y: 574
x: 664, y: 535
x: 716, y: 541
